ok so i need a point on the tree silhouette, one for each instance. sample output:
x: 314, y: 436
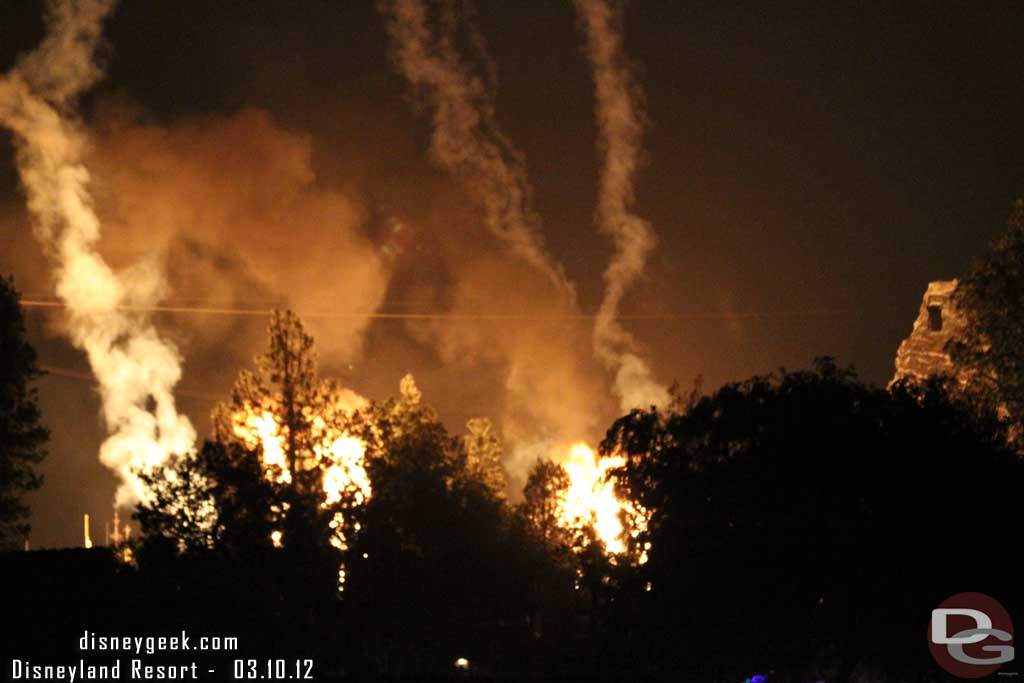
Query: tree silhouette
x: 284, y: 386
x: 432, y: 562
x: 991, y: 345
x: 541, y: 508
x: 22, y: 436
x: 260, y: 480
x: 215, y: 498
x: 290, y: 419
x: 440, y: 567
x: 807, y: 523
x: 483, y: 455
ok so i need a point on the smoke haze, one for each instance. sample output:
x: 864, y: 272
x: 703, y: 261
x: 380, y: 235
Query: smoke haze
x: 243, y: 155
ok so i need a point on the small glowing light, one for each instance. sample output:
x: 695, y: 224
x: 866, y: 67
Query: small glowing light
x: 366, y: 556
x: 647, y: 587
x: 125, y: 556
x: 462, y: 663
x: 275, y: 538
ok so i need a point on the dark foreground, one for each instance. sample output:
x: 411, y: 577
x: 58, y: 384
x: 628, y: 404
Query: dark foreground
x: 53, y: 598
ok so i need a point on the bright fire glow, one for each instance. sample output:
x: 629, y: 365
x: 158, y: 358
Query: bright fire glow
x: 591, y: 499
x: 259, y: 428
x: 339, y: 456
x: 346, y: 472
x: 345, y: 475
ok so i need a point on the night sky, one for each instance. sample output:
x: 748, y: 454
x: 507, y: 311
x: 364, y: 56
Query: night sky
x: 809, y: 169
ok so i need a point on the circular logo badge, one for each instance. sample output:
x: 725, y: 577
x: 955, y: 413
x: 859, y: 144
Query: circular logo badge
x: 970, y: 635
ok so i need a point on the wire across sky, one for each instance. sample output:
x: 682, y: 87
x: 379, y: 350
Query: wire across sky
x: 413, y: 315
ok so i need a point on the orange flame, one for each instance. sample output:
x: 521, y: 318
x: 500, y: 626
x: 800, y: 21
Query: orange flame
x: 590, y: 499
x: 339, y: 456
x: 259, y: 428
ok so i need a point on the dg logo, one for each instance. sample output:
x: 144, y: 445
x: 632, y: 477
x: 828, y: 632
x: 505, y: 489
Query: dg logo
x: 971, y: 635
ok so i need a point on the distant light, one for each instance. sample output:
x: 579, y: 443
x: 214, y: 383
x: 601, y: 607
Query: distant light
x: 647, y: 587
x: 462, y: 663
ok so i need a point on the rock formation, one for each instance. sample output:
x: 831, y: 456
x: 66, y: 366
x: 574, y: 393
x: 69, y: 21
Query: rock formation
x: 923, y: 353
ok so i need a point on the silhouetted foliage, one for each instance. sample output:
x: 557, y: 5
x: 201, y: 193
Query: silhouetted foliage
x: 22, y: 436
x: 483, y: 455
x: 991, y: 346
x: 805, y: 522
x: 286, y: 393
x: 429, y: 566
x: 215, y: 498
x: 545, y: 486
x: 229, y: 497
x: 802, y: 523
x: 440, y: 568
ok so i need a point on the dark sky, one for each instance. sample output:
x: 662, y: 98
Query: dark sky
x: 815, y: 164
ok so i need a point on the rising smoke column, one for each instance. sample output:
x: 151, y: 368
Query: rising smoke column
x: 620, y: 125
x: 466, y: 138
x: 135, y: 368
x: 550, y: 396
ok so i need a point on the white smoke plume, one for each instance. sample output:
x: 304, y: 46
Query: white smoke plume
x: 620, y: 126
x: 466, y: 138
x: 136, y: 369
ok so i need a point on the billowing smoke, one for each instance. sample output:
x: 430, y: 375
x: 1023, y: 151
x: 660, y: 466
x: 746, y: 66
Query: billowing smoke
x: 551, y: 394
x: 136, y: 369
x: 620, y: 125
x: 231, y: 209
x: 270, y: 206
x: 553, y: 391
